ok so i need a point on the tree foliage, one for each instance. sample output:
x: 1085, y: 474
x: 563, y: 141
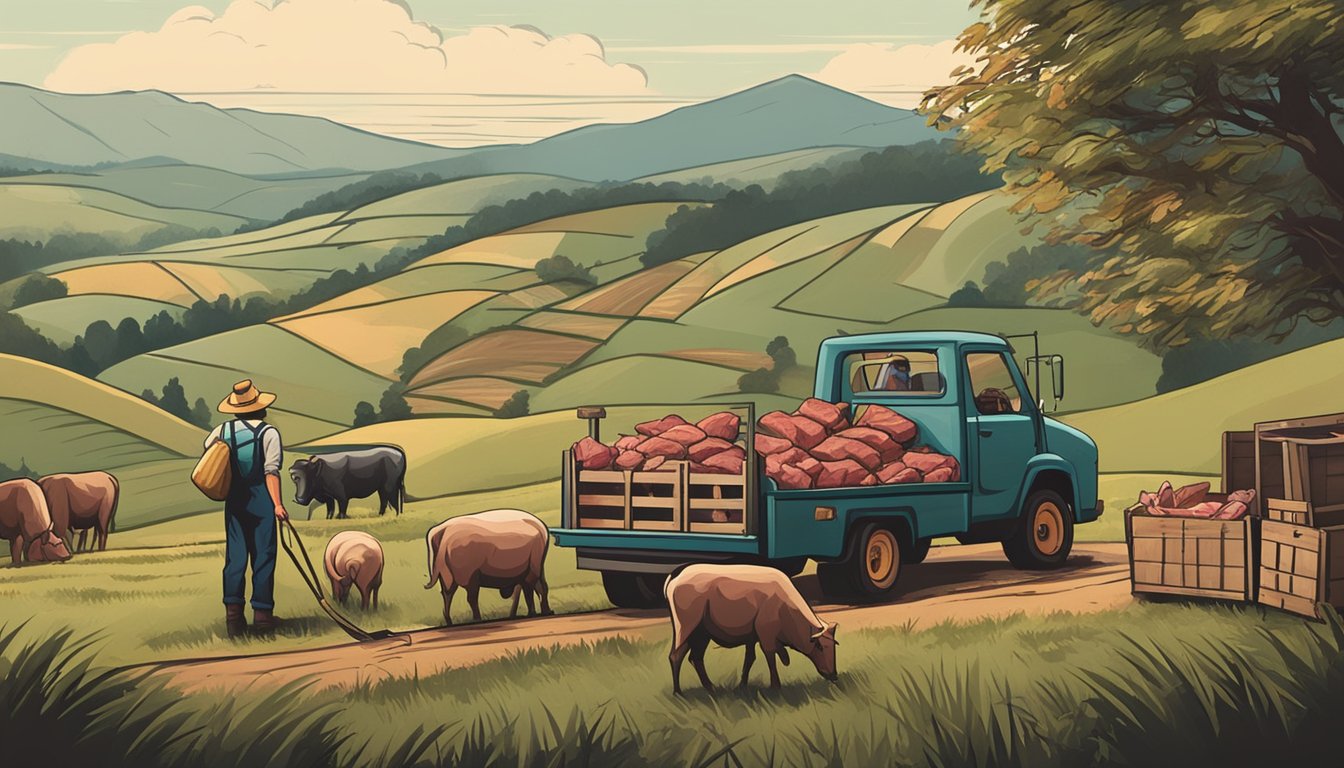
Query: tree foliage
x: 517, y: 405
x: 173, y: 399
x: 766, y: 380
x: 1199, y: 140
x: 37, y: 287
x: 554, y: 269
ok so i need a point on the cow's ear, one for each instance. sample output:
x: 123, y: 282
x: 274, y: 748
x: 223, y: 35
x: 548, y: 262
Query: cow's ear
x: 317, y: 465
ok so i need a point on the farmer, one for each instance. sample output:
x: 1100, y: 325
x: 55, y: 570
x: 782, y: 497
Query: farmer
x: 253, y: 506
x: 895, y: 375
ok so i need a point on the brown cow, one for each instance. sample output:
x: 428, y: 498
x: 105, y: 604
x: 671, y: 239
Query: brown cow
x: 355, y: 557
x: 26, y: 522
x: 80, y: 502
x: 743, y: 605
x: 503, y: 549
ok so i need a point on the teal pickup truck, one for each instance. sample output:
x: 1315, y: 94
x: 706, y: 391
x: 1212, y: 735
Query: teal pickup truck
x: 1025, y: 480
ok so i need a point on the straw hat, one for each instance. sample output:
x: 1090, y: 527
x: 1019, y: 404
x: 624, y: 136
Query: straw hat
x: 246, y: 398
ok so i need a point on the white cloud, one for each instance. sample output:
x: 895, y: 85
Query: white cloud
x: 340, y: 46
x: 895, y: 75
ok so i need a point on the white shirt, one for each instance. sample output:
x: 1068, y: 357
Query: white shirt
x: 271, y: 449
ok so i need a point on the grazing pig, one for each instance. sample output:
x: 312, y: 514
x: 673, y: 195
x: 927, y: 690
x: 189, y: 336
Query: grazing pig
x: 502, y: 549
x: 80, y: 502
x: 737, y: 605
x: 25, y: 521
x: 355, y: 557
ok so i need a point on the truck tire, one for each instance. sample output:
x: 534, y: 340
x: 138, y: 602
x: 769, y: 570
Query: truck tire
x: 870, y: 571
x: 633, y: 590
x: 1044, y: 533
x: 918, y: 551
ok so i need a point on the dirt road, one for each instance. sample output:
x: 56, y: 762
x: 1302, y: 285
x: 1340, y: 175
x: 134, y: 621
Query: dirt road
x: 954, y: 584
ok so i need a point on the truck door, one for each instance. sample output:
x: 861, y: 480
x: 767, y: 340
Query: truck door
x: 1001, y: 424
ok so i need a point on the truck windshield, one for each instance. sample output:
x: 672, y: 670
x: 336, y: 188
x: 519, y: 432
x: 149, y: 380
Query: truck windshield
x: 903, y: 372
x: 992, y: 382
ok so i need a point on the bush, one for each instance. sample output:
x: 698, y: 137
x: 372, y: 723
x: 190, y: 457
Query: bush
x: 554, y: 269
x: 37, y: 287
x: 515, y: 406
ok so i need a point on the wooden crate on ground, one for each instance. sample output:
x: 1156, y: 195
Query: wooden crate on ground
x: 1194, y: 557
x: 1301, y: 567
x: 1300, y: 466
x: 1304, y: 513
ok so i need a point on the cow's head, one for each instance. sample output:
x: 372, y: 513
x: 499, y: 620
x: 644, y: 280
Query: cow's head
x: 822, y: 651
x: 304, y: 473
x: 47, y: 548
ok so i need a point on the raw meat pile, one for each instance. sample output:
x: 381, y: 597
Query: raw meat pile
x: 817, y: 446
x: 1189, y: 501
x: 709, y: 445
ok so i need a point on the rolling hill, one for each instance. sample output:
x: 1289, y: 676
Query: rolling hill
x: 1180, y: 430
x: 681, y: 331
x: 199, y: 188
x: 57, y: 421
x: 86, y: 130
x: 35, y: 212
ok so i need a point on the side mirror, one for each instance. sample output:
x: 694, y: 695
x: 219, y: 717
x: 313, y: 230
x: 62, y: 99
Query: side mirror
x: 1057, y: 376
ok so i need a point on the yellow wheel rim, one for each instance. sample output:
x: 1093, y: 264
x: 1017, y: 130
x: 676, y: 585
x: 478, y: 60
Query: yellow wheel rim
x: 880, y: 558
x: 1048, y: 527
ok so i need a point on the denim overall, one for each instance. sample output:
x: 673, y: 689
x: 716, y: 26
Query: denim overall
x: 249, y: 519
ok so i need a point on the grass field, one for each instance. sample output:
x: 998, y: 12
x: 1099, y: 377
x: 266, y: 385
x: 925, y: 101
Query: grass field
x: 1191, y: 420
x: 1151, y: 685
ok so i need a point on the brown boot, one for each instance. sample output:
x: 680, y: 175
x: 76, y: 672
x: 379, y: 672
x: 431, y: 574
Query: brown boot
x: 234, y: 622
x: 264, y: 622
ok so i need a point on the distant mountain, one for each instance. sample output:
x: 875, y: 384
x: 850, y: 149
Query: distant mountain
x: 56, y: 129
x: 783, y: 115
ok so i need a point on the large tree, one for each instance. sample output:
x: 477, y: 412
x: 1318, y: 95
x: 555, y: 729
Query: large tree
x: 1196, y: 145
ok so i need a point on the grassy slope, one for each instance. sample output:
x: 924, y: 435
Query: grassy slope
x: 202, y: 189
x: 62, y: 319
x: 309, y: 381
x: 57, y: 421
x: 1181, y: 430
x: 37, y: 211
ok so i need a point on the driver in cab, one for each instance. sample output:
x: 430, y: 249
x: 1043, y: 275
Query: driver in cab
x: 894, y: 376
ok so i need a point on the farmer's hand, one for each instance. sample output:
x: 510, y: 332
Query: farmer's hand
x: 280, y: 513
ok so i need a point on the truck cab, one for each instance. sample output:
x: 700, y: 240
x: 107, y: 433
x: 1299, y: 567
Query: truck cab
x: 1025, y: 479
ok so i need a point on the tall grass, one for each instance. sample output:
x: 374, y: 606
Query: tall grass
x: 1148, y: 686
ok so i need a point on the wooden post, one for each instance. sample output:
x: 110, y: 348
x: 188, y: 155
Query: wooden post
x: 628, y: 507
x: 594, y: 414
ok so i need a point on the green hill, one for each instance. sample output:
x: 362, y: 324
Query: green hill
x: 56, y: 421
x: 1181, y: 430
x: 37, y: 211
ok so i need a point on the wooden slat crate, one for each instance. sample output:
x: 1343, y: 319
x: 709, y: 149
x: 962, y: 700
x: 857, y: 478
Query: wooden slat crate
x: 1301, y: 567
x: 671, y: 498
x: 1304, y: 513
x: 1302, y: 460
x: 1195, y: 557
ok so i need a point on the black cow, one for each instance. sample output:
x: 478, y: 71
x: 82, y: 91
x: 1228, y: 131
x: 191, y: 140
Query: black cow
x: 336, y: 478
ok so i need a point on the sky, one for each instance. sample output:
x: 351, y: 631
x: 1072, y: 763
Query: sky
x: 470, y: 72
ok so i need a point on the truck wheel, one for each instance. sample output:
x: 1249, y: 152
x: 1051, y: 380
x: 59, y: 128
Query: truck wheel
x: 633, y: 590
x: 870, y: 572
x: 919, y: 551
x: 1044, y: 534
